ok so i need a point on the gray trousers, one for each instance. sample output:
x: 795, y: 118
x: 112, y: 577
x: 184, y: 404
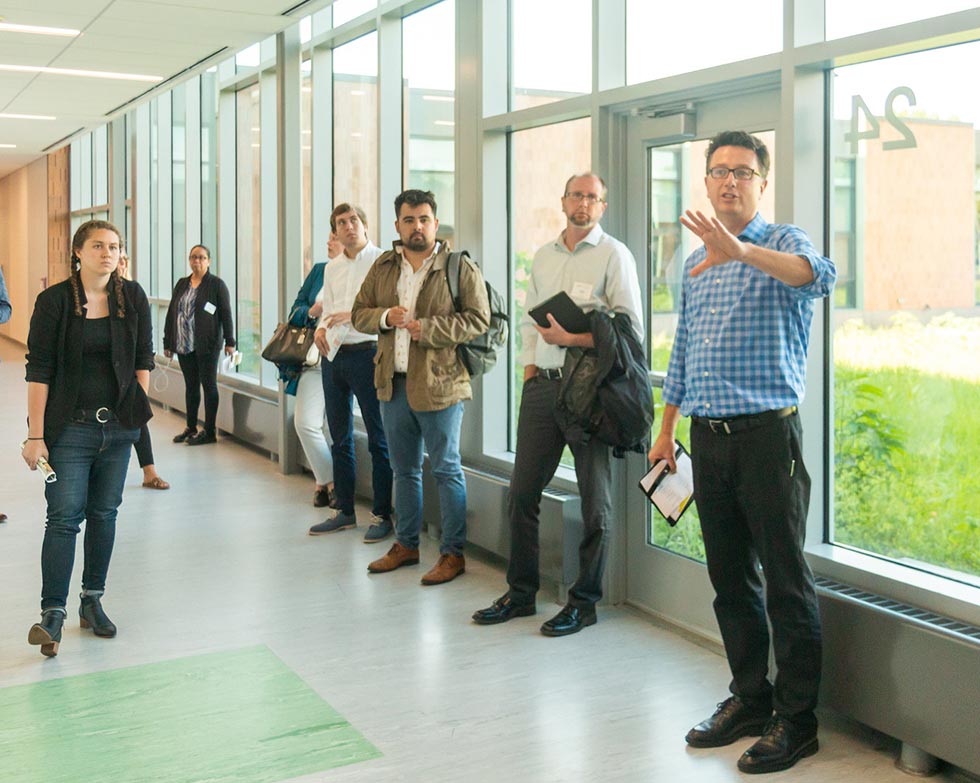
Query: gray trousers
x: 540, y: 443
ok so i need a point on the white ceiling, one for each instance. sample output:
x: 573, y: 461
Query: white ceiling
x: 124, y: 36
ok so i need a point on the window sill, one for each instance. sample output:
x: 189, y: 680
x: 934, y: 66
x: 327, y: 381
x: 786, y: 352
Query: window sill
x: 899, y: 582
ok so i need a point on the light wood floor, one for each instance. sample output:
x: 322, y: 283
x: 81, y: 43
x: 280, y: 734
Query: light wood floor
x: 222, y: 561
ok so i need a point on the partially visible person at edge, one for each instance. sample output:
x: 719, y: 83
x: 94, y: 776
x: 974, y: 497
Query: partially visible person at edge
x: 305, y: 383
x: 420, y: 378
x: 350, y: 374
x: 5, y: 311
x: 198, y: 318
x: 738, y: 368
x: 599, y: 273
x: 90, y: 352
x: 144, y: 448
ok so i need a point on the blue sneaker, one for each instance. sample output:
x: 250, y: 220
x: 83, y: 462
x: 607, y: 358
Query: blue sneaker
x: 339, y: 521
x: 381, y: 529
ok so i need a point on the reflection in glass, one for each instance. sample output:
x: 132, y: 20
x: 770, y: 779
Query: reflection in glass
x: 428, y: 73
x: 664, y: 39
x: 542, y: 160
x: 552, y: 51
x: 248, y: 261
x: 676, y: 184
x: 906, y: 365
x: 209, y: 157
x: 355, y: 125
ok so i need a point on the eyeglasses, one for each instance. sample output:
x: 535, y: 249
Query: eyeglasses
x: 588, y: 198
x: 742, y: 174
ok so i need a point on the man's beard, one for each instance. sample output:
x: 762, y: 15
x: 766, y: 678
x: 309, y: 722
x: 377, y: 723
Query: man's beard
x: 579, y: 219
x: 416, y: 242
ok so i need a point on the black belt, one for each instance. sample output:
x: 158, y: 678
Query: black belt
x: 354, y: 347
x: 750, y: 421
x: 550, y: 375
x: 94, y: 415
x: 402, y: 375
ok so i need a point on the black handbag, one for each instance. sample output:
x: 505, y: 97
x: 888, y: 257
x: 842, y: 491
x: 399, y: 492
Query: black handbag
x: 290, y: 345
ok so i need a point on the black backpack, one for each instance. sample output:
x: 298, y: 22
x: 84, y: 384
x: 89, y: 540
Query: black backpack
x: 479, y: 355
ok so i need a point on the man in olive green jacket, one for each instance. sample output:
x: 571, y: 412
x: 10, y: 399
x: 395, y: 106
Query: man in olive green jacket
x: 420, y: 379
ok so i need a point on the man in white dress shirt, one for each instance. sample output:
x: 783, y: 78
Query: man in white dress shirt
x: 599, y: 273
x: 348, y: 372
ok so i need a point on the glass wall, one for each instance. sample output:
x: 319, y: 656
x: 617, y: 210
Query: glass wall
x: 663, y: 39
x: 541, y: 161
x: 552, y: 50
x: 178, y: 194
x: 906, y: 365
x: 249, y: 229
x: 428, y: 74
x: 355, y: 125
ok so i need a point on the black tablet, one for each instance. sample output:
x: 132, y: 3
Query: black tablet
x: 572, y: 317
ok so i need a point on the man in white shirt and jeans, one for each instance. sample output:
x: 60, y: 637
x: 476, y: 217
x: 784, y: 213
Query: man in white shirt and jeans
x: 350, y: 373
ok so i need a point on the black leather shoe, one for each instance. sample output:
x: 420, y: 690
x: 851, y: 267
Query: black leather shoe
x: 322, y: 497
x: 201, y: 437
x: 569, y: 620
x: 733, y: 719
x: 47, y: 633
x: 185, y: 435
x: 502, y: 610
x: 92, y: 616
x: 781, y: 745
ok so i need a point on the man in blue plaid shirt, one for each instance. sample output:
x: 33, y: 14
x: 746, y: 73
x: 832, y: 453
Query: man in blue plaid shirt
x: 738, y: 368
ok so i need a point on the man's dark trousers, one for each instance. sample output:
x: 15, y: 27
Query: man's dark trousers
x: 752, y: 492
x: 349, y: 375
x: 540, y: 443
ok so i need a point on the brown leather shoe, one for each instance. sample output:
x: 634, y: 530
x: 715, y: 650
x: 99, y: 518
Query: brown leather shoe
x: 397, y: 557
x: 447, y: 569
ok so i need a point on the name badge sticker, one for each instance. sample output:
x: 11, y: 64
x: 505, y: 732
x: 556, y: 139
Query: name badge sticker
x: 581, y: 292
x: 209, y: 308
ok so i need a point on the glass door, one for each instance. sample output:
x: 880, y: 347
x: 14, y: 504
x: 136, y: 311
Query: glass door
x: 665, y: 166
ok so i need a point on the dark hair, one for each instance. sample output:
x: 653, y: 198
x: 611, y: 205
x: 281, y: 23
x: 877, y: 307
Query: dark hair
x: 415, y: 198
x: 203, y: 247
x: 343, y: 209
x: 605, y: 190
x: 739, y: 139
x: 74, y: 280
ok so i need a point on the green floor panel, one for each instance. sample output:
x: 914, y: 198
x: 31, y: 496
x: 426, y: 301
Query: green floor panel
x: 230, y: 717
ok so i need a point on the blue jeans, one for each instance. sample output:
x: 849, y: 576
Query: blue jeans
x: 407, y: 430
x: 349, y: 375
x: 91, y: 461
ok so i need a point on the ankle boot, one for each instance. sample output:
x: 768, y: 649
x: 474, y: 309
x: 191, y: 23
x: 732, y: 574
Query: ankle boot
x: 92, y: 616
x: 47, y: 633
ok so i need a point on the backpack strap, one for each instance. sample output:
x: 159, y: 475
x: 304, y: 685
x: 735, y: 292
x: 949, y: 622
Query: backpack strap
x: 453, y: 264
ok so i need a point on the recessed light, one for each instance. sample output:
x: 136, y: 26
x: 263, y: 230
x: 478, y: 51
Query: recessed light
x: 27, y: 117
x: 33, y: 29
x: 132, y: 77
x: 8, y: 146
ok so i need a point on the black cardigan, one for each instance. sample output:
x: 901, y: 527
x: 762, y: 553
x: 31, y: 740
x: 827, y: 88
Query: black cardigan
x: 208, y: 327
x: 54, y: 354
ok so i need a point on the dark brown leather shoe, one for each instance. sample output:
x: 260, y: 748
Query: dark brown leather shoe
x: 781, y: 745
x: 447, y: 569
x: 733, y: 719
x: 397, y: 557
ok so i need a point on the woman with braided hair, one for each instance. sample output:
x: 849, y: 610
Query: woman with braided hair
x: 90, y: 352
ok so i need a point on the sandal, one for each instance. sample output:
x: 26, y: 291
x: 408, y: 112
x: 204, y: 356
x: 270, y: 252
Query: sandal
x: 156, y: 483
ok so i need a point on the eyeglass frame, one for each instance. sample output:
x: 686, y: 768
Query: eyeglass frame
x: 732, y: 172
x: 589, y: 198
